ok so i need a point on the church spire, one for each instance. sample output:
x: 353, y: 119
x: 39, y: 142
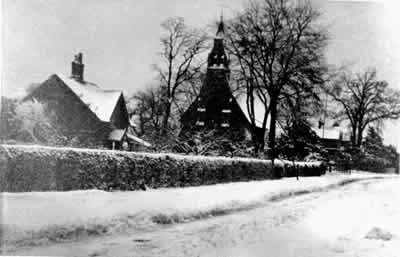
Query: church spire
x: 217, y: 58
x: 221, y: 27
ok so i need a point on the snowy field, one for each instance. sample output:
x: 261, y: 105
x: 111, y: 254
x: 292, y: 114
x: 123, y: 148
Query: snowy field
x: 44, y: 217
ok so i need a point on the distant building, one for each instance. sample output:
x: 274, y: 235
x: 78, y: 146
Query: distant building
x: 333, y: 137
x: 85, y: 111
x: 216, y: 107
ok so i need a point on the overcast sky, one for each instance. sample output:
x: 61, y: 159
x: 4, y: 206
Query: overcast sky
x: 119, y: 39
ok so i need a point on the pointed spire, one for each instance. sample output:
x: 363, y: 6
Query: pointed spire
x: 221, y: 27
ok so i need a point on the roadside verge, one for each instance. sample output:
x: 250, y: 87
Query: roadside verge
x: 38, y: 218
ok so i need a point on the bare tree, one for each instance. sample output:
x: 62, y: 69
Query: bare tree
x: 280, y: 45
x: 187, y: 94
x: 180, y: 64
x: 248, y: 86
x: 364, y: 100
x: 147, y: 110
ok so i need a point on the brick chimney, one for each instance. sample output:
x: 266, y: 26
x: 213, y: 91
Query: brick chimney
x: 77, y: 67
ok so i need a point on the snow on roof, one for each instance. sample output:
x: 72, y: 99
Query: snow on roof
x: 259, y: 109
x: 116, y: 135
x: 139, y: 140
x: 331, y: 131
x: 100, y: 102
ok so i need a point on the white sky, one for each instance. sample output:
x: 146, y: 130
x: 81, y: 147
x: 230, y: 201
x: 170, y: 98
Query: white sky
x: 120, y: 39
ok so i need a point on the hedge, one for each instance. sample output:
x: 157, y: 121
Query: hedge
x: 39, y: 168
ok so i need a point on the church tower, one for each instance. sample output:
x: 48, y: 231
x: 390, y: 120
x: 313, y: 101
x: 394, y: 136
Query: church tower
x: 217, y: 58
x: 215, y: 108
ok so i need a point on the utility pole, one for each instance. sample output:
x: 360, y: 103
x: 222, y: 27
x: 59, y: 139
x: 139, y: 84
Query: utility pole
x: 325, y: 110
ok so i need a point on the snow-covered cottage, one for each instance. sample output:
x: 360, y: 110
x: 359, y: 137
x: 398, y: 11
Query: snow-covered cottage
x: 84, y: 111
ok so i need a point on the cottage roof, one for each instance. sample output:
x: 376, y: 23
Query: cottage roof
x: 100, y: 102
x: 116, y: 135
x: 138, y: 140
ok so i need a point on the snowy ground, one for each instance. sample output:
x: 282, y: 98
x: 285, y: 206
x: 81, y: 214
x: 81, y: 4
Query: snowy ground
x: 321, y: 218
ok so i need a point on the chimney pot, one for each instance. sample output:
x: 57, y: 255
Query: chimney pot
x: 77, y: 67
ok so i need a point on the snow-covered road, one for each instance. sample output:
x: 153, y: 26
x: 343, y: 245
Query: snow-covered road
x: 332, y: 223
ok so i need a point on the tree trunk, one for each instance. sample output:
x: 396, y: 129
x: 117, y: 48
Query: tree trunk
x: 353, y: 136
x: 360, y: 132
x: 262, y: 142
x: 165, y: 121
x: 254, y: 138
x: 359, y: 135
x: 272, y: 126
x: 258, y: 140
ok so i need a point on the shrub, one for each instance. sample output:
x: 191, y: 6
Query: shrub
x: 36, y: 168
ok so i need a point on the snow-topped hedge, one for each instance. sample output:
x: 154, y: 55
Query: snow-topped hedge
x: 38, y: 168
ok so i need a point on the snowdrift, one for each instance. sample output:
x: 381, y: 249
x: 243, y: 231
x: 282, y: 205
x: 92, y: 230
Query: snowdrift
x: 38, y: 168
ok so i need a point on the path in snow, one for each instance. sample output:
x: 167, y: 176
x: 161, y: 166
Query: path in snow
x: 47, y: 217
x: 332, y: 223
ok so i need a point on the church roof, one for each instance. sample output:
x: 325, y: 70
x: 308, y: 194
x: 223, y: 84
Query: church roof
x: 259, y: 109
x: 100, y: 102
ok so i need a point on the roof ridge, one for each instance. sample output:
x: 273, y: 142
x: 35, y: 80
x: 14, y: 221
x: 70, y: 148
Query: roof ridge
x: 101, y: 102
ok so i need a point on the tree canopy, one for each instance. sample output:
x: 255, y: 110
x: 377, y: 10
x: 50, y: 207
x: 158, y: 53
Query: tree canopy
x: 279, y: 48
x: 363, y: 100
x: 180, y: 64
